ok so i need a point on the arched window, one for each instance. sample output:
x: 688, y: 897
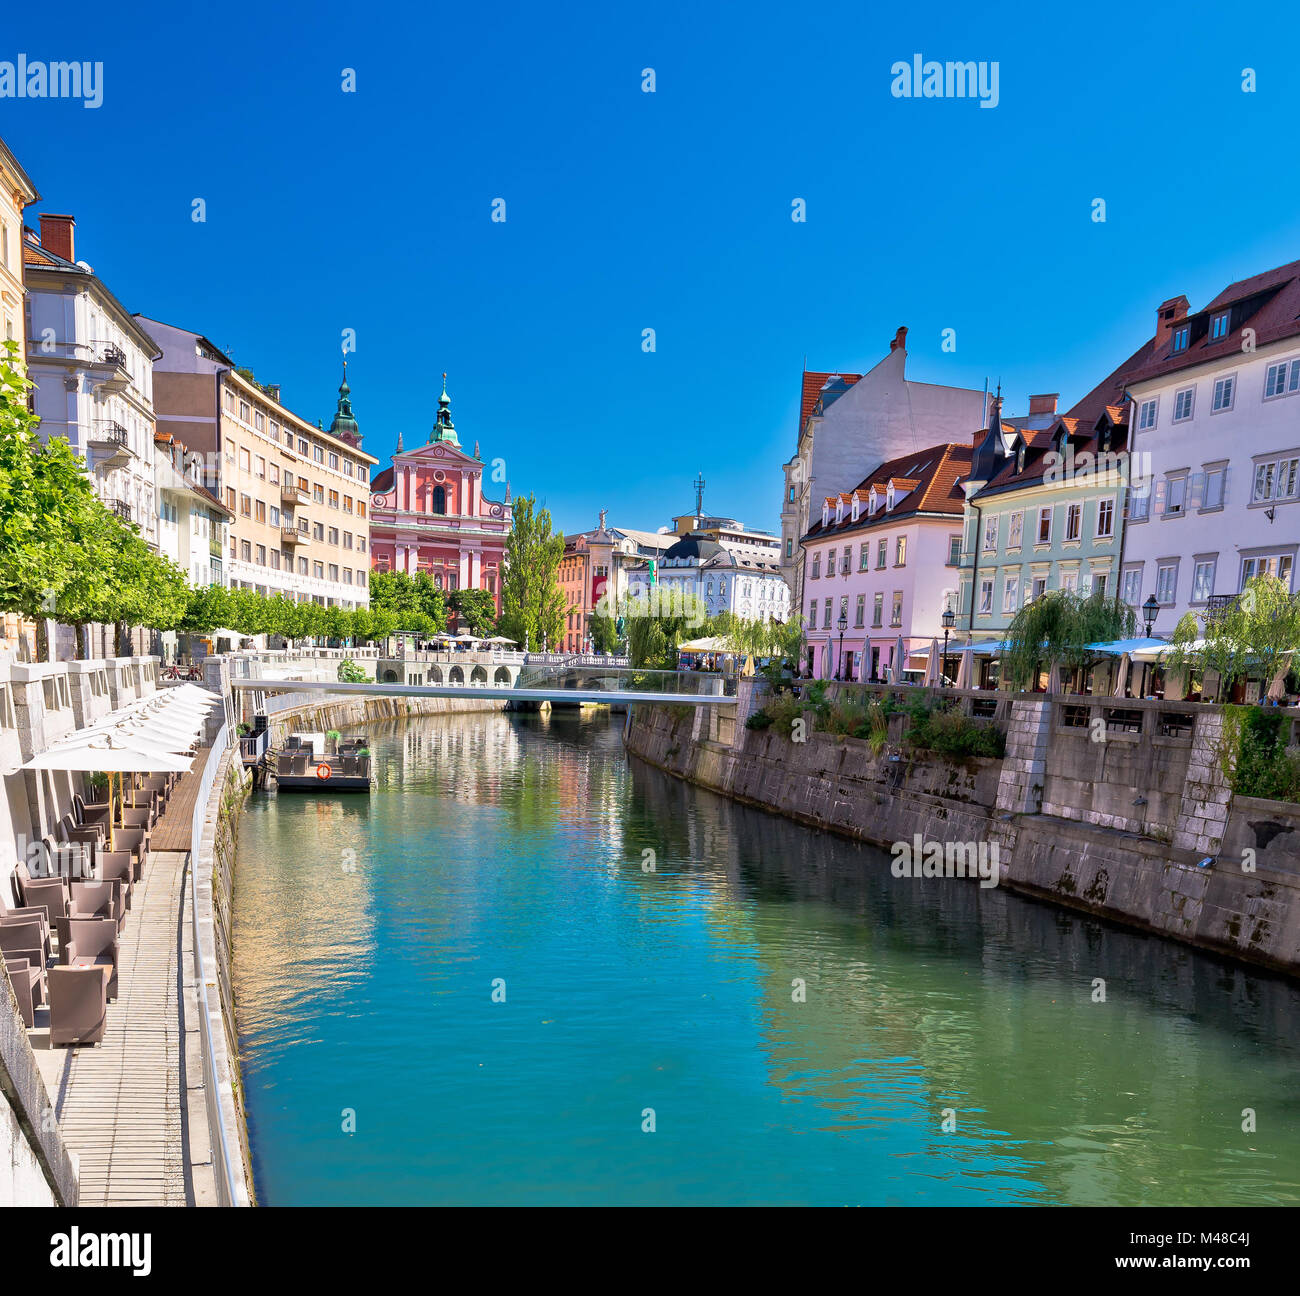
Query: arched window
x: 437, y: 580
x: 439, y: 499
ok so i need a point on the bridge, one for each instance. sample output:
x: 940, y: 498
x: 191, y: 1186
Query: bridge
x: 531, y: 682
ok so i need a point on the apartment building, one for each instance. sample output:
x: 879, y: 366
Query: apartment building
x: 92, y: 364
x: 1216, y: 407
x: 16, y: 192
x: 298, y: 495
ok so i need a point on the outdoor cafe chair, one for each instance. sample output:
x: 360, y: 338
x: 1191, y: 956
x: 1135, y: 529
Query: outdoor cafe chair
x: 115, y: 866
x: 93, y: 900
x: 78, y: 1005
x: 27, y: 938
x: 47, y: 896
x: 28, y: 981
x: 91, y: 942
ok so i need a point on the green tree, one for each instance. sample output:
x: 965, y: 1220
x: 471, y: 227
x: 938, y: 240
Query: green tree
x: 532, y: 603
x: 1256, y: 635
x: 1056, y: 629
x: 604, y: 632
x: 656, y: 626
x: 476, y: 610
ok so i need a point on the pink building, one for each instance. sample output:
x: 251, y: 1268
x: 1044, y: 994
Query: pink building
x: 881, y: 564
x: 428, y: 513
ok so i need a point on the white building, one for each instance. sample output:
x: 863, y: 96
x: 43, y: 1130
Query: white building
x: 724, y: 579
x: 192, y: 522
x: 92, y: 364
x: 1216, y: 406
x: 849, y: 424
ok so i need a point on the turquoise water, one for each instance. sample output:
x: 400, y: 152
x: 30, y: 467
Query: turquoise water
x: 369, y: 933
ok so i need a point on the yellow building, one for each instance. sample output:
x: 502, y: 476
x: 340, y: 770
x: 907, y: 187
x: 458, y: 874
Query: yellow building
x: 16, y: 192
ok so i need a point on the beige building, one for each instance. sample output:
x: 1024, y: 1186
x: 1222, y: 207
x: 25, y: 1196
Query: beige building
x: 299, y: 495
x: 16, y: 192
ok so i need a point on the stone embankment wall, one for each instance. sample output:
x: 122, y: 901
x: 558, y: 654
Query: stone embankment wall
x: 1118, y: 830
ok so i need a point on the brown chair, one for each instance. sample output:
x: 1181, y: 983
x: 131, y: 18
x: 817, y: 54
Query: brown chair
x: 93, y: 939
x: 115, y: 866
x: 134, y: 841
x: 48, y: 896
x: 28, y: 981
x: 78, y: 1005
x: 26, y: 937
x: 93, y: 900
x: 90, y: 812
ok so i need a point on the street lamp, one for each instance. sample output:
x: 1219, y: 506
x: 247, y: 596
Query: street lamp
x: 843, y: 625
x: 949, y: 619
x: 1150, y: 610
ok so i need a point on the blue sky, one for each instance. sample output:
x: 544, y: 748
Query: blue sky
x: 670, y: 210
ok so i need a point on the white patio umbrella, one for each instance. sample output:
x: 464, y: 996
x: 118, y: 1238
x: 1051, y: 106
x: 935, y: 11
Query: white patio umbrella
x: 1053, y: 678
x: 108, y: 754
x: 1121, y: 674
x: 965, y: 670
x: 933, y: 671
x: 900, y: 659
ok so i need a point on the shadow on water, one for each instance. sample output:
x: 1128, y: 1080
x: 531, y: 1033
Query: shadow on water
x: 801, y: 1022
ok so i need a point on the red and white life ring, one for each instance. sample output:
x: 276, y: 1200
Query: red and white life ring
x: 323, y: 771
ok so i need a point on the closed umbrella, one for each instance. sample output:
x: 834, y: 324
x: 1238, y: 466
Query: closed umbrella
x: 966, y: 669
x: 900, y: 658
x: 1053, y: 679
x: 1121, y: 674
x: 933, y: 671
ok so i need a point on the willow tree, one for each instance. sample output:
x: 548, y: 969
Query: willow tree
x: 1256, y: 634
x: 532, y: 603
x: 1056, y: 629
x: 656, y: 625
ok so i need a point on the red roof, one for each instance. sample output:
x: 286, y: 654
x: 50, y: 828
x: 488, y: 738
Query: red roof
x: 813, y: 382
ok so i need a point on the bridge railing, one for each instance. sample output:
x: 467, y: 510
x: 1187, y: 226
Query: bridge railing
x: 606, y: 678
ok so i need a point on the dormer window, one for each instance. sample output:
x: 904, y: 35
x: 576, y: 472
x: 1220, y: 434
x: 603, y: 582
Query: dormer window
x: 889, y: 500
x: 1182, y: 336
x: 826, y: 514
x: 1020, y: 457
x: 855, y: 508
x: 839, y: 511
x: 1219, y: 327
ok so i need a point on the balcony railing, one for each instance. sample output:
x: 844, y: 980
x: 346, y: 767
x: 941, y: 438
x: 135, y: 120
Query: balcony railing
x: 293, y: 536
x: 121, y: 508
x: 292, y: 495
x: 111, y: 353
x: 1217, y: 604
x: 108, y: 432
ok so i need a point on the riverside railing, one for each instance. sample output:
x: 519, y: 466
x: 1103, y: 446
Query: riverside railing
x: 223, y: 1166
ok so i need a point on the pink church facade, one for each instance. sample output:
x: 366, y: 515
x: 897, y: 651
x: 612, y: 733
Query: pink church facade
x: 429, y: 513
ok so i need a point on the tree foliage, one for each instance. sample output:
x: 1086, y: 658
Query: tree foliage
x: 1057, y: 627
x: 476, y: 610
x: 532, y: 603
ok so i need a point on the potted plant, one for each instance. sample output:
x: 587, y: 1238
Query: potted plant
x: 334, y: 735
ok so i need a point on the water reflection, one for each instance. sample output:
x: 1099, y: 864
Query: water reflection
x: 513, y: 848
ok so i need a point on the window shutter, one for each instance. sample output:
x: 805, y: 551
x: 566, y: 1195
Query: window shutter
x: 1227, y: 474
x: 1160, y: 497
x: 1197, y: 492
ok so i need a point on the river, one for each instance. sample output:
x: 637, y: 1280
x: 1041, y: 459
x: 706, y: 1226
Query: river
x: 476, y: 986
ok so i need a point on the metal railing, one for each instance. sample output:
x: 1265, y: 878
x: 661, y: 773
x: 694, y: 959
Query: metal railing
x: 223, y: 1166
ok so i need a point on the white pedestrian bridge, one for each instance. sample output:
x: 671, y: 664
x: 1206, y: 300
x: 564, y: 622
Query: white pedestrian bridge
x: 522, y: 678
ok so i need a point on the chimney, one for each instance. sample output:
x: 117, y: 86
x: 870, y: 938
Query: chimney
x: 1043, y: 404
x: 56, y: 235
x: 1168, y: 313
x: 900, y: 340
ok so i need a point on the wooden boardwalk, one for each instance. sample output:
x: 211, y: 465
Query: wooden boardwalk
x: 119, y: 1103
x: 123, y: 1103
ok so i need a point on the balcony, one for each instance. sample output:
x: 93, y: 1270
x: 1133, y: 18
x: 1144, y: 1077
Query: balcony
x: 106, y: 432
x: 293, y: 536
x: 291, y: 495
x: 1218, y: 604
x: 121, y: 508
x: 215, y: 550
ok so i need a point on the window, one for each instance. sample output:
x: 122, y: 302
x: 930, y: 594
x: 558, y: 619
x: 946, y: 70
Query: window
x: 439, y: 499
x: 1219, y: 326
x: 243, y: 461
x: 1264, y: 481
x: 1139, y: 503
x: 789, y: 547
x: 347, y: 575
x: 1015, y: 530
x: 1175, y: 496
x: 1166, y: 583
x: 1070, y: 581
x: 246, y: 505
x: 1105, y: 518
x: 816, y: 566
x: 986, y: 596
x: 1276, y: 480
x: 347, y: 539
x: 318, y: 531
x: 1073, y: 521
x: 318, y: 494
x: 275, y: 560
x: 1183, y: 404
x: 261, y: 555
x: 1011, y: 594
x: 860, y: 612
x: 1044, y: 526
x: 334, y: 499
x: 1039, y: 587
x: 318, y: 454
x: 361, y: 544
x: 830, y: 562
x: 900, y: 552
x: 347, y: 503
x: 1132, y: 586
x: 230, y: 401
x: 303, y: 448
x: 243, y: 410
x: 877, y: 609
x: 1282, y: 379
x: 318, y: 570
x: 826, y: 615
x: 1223, y: 392
x: 882, y: 554
x: 333, y: 535
x: 275, y: 516
x: 1278, y: 565
x: 954, y: 551
x: 302, y: 566
x: 990, y: 534
x: 361, y: 508
x: 896, y: 613
x: 259, y: 511
x: 791, y: 494
x: 1213, y: 489
x: 812, y: 614
x: 1203, y: 579
x: 246, y: 550
x: 1182, y: 336
x: 1146, y: 415
x: 259, y: 420
x: 864, y: 556
x: 275, y: 474
x: 334, y: 571
x: 334, y: 461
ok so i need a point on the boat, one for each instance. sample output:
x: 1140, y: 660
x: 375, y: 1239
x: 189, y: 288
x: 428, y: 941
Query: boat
x: 304, y: 764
